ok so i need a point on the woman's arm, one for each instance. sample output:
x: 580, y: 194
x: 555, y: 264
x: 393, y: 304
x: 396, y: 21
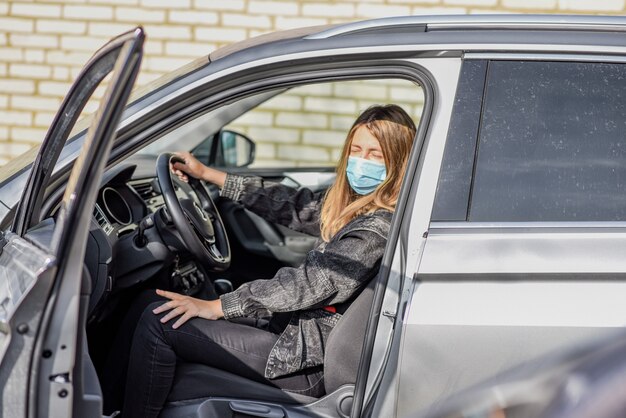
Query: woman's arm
x: 297, y: 209
x: 326, y: 277
x: 275, y: 202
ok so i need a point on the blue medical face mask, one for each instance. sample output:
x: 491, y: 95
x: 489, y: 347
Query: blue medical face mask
x: 364, y: 175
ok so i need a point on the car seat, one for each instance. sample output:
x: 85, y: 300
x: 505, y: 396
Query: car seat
x: 203, y: 391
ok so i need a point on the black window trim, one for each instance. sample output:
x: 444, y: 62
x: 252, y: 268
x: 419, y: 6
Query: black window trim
x: 455, y: 134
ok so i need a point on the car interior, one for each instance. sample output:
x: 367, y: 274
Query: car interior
x: 149, y: 230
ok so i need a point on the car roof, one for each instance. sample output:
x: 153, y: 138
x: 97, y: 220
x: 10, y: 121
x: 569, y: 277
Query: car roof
x: 473, y: 22
x: 528, y: 32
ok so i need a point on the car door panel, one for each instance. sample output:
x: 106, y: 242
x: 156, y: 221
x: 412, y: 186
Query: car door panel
x: 26, y: 276
x: 263, y: 242
x: 487, y: 301
x: 263, y: 245
x: 474, y: 353
x: 48, y: 352
x: 261, y: 237
x: 510, y: 296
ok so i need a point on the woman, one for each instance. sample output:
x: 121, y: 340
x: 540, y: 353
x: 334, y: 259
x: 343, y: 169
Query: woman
x: 353, y: 220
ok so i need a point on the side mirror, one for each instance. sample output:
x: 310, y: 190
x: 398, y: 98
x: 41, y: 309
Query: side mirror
x: 234, y: 149
x: 227, y: 149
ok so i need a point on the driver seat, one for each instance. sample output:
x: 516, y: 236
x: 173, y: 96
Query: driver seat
x: 202, y: 391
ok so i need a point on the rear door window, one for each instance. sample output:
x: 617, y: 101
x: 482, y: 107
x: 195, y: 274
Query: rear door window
x: 551, y: 143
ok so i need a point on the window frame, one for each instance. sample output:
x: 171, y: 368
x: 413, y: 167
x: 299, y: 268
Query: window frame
x: 293, y: 163
x: 439, y: 222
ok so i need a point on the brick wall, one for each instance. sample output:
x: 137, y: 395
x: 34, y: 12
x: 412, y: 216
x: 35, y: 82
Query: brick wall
x: 44, y: 43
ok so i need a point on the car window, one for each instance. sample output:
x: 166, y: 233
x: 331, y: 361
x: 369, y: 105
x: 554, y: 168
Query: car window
x: 304, y: 126
x: 550, y: 145
x: 307, y: 125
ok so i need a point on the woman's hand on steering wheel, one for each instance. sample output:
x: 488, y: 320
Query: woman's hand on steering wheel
x: 187, y: 308
x: 195, y: 215
x: 191, y: 166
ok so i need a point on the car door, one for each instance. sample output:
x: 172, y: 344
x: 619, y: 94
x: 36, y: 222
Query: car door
x: 44, y: 368
x: 524, y: 250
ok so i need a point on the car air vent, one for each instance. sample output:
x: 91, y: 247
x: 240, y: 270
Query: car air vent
x: 150, y: 192
x: 102, y: 220
x: 146, y: 189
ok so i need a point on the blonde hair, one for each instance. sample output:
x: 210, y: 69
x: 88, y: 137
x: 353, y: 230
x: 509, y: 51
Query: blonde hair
x: 395, y: 131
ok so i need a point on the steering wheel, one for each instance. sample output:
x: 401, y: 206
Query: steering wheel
x: 195, y: 216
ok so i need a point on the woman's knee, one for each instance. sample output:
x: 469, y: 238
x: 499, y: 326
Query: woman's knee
x: 149, y: 324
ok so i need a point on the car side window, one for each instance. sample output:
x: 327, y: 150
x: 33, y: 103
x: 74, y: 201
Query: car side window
x: 300, y: 128
x: 550, y: 144
x: 306, y: 126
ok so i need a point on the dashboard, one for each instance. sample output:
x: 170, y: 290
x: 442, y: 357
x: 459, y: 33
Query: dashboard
x: 115, y: 259
x: 128, y: 193
x: 119, y: 207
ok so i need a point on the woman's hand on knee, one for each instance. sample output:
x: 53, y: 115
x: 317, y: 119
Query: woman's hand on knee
x: 187, y: 307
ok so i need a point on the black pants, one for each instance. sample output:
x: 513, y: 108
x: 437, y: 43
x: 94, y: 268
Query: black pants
x: 231, y: 346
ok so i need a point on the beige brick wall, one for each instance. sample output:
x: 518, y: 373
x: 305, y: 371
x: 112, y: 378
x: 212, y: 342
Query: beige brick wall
x: 44, y: 43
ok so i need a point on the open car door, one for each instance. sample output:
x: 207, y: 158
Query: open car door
x: 45, y: 370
